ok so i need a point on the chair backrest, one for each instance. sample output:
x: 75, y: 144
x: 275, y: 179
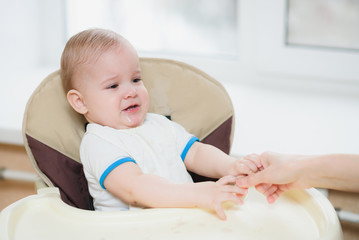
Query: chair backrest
x: 52, y: 130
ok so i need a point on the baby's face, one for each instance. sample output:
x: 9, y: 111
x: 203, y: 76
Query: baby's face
x: 113, y: 91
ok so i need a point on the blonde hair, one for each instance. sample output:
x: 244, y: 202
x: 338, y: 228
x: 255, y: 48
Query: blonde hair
x: 85, y: 47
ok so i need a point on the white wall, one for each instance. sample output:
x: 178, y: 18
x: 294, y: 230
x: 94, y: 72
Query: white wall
x: 20, y: 34
x: 32, y: 36
x: 285, y: 99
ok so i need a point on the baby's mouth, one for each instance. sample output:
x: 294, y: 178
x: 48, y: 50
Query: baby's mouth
x: 132, y: 107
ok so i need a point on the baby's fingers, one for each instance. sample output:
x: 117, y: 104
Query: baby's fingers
x: 235, y: 189
x: 255, y: 159
x: 227, y: 180
x: 218, y: 208
x: 245, y: 167
x: 219, y: 211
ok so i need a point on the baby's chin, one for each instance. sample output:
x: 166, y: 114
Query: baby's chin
x: 133, y: 122
x: 122, y: 125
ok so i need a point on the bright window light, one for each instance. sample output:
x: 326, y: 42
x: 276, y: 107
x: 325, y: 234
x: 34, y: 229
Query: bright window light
x: 323, y: 23
x: 185, y: 27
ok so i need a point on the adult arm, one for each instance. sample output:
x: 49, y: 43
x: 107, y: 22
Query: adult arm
x: 333, y: 171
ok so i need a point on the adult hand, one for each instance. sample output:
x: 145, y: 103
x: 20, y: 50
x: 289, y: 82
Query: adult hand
x: 278, y: 175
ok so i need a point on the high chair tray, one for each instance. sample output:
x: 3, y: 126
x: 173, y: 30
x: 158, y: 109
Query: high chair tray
x: 304, y: 214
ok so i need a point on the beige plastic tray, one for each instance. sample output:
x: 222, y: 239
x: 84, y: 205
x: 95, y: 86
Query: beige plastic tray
x: 304, y: 214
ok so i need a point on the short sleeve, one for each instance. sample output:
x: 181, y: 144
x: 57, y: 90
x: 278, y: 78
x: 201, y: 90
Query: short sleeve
x: 99, y: 157
x: 184, y: 140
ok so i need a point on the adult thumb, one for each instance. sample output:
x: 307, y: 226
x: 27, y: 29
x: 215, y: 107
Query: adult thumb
x: 249, y: 180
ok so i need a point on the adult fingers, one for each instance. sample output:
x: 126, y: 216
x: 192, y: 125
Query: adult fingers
x: 270, y: 190
x: 274, y: 196
x: 263, y: 187
x: 250, y: 180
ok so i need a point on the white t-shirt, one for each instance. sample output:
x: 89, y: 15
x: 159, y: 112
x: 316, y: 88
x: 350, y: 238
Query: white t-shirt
x: 158, y: 146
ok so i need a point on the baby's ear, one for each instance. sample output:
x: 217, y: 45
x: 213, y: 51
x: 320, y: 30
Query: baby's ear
x: 75, y: 99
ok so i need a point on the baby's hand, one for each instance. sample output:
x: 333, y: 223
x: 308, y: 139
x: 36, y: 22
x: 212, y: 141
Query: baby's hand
x: 213, y: 194
x: 271, y: 191
x: 246, y: 166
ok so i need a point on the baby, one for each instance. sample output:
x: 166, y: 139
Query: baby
x: 133, y: 158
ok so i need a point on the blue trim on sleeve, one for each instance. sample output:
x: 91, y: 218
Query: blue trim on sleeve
x: 113, y: 166
x: 188, y: 146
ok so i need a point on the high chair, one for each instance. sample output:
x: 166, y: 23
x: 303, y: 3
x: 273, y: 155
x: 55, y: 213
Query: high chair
x: 62, y: 209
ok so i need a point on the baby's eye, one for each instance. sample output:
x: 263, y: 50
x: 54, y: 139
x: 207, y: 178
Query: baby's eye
x: 136, y: 80
x: 113, y: 86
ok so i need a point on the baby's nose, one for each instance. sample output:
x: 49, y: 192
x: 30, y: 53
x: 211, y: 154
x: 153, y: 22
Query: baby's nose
x: 130, y: 92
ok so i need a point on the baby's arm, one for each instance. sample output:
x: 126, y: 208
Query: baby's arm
x: 209, y: 161
x: 128, y: 183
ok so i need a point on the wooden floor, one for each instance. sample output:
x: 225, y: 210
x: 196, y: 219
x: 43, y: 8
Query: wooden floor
x: 348, y: 202
x: 15, y: 158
